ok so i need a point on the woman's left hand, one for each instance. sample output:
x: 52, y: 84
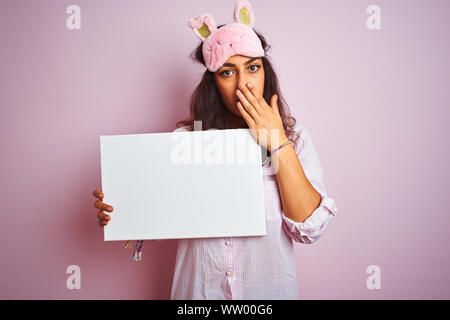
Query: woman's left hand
x: 259, y: 116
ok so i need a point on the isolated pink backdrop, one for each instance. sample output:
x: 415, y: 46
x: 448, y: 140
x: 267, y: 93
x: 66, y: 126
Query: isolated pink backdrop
x: 376, y: 103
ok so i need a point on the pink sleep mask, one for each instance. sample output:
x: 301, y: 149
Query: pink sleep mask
x: 234, y: 38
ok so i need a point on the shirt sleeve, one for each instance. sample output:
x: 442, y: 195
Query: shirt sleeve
x: 315, y: 225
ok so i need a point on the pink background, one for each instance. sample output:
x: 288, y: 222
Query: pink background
x: 376, y: 103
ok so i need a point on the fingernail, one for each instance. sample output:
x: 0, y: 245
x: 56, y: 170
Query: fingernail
x: 250, y: 85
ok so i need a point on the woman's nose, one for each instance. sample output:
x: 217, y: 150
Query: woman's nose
x: 242, y: 83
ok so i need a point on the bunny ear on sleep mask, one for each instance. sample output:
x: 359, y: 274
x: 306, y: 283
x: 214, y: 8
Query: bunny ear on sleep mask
x: 203, y: 26
x: 243, y: 13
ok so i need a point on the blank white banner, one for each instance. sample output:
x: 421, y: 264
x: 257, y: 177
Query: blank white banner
x: 186, y: 184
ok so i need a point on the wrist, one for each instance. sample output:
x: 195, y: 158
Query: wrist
x: 277, y: 142
x: 282, y: 144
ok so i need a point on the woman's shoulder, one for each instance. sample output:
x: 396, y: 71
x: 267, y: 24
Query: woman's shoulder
x: 183, y: 128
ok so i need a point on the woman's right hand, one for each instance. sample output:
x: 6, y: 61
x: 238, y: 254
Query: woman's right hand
x: 102, y: 217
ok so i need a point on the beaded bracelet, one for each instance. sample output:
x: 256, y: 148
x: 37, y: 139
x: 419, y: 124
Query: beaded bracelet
x: 284, y: 144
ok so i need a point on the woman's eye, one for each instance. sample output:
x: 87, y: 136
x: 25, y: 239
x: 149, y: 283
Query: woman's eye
x: 255, y: 65
x: 223, y: 72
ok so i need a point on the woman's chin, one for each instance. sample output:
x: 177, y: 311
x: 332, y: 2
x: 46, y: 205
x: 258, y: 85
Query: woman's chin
x: 236, y: 111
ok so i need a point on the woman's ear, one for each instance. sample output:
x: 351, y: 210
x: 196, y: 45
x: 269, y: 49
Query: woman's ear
x: 203, y: 26
x: 243, y: 13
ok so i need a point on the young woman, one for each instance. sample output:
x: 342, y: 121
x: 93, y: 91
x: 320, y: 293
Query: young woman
x: 240, y: 90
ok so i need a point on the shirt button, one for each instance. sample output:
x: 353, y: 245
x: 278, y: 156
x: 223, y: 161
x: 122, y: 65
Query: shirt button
x: 228, y: 243
x: 229, y: 273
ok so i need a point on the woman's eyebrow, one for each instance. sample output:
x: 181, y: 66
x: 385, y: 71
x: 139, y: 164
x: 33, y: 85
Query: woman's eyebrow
x: 232, y: 65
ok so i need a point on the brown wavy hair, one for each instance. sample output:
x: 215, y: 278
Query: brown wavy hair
x: 207, y: 106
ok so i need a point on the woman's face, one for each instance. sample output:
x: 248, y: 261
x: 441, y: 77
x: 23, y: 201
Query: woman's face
x: 238, y: 70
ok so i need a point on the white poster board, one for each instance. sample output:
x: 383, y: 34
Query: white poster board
x: 185, y: 184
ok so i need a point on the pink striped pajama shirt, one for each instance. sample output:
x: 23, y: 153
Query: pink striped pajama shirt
x: 257, y: 267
